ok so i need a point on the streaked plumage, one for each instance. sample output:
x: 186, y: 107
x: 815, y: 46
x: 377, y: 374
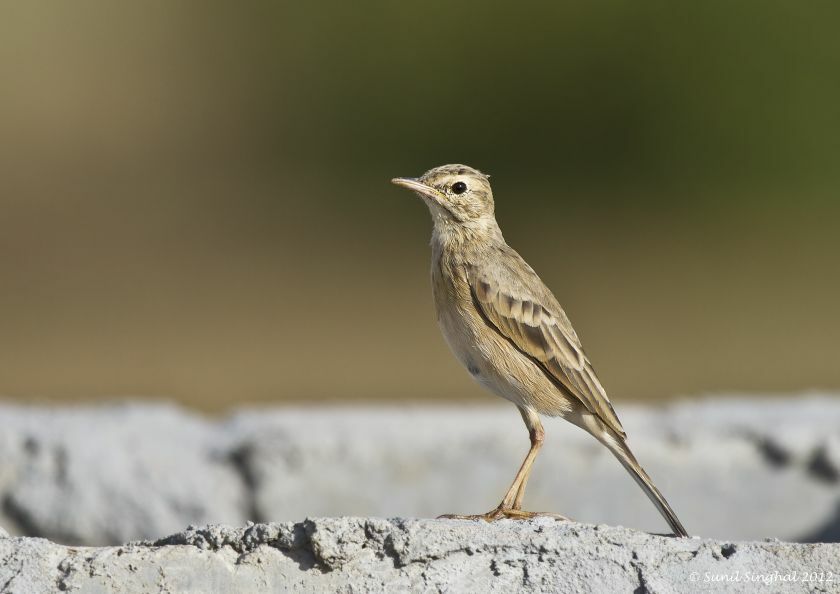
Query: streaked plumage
x: 518, y: 305
x: 507, y: 328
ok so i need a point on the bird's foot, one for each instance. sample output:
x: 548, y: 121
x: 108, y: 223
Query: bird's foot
x: 504, y: 512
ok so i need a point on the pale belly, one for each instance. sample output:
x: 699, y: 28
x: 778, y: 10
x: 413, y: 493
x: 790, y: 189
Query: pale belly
x: 466, y: 343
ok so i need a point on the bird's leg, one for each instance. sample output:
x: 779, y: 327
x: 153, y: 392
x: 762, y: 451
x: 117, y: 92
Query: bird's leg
x: 537, y: 438
x: 511, y: 505
x: 513, y: 498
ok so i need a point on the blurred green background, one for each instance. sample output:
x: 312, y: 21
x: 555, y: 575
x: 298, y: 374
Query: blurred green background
x: 195, y: 199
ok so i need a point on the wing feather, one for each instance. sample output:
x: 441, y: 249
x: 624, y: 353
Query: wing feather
x: 534, y: 323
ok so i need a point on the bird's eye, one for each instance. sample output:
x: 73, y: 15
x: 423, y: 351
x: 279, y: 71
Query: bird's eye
x: 459, y: 187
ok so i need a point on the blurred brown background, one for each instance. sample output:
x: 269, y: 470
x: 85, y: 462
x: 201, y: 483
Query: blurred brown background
x: 195, y: 199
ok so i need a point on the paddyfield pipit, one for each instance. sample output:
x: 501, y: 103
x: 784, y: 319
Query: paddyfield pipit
x: 509, y: 331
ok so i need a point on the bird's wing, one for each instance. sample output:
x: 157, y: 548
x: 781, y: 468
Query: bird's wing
x: 521, y: 308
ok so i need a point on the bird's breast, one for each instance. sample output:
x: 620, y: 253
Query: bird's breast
x: 456, y: 315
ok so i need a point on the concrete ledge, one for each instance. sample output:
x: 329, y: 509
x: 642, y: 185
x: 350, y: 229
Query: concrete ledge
x: 733, y: 468
x: 375, y: 555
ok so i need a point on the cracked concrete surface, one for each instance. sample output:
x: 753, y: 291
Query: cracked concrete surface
x: 376, y: 555
x: 733, y: 468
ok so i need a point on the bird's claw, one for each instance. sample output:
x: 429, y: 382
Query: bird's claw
x: 501, y: 513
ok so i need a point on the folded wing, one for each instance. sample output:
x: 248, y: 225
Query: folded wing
x: 525, y: 312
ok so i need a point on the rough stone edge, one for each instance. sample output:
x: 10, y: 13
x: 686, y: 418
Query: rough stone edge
x: 370, y: 552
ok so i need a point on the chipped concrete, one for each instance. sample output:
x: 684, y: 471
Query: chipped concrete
x: 734, y: 468
x: 376, y: 555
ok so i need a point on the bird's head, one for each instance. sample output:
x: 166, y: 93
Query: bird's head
x: 454, y: 194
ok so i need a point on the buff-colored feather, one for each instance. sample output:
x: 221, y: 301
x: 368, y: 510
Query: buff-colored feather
x: 507, y: 328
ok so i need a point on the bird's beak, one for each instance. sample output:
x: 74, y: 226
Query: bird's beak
x: 419, y: 187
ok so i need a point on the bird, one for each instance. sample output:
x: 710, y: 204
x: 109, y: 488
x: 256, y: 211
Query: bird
x: 509, y: 331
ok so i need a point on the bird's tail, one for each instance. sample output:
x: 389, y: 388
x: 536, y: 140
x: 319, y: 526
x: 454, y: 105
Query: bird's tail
x: 619, y: 448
